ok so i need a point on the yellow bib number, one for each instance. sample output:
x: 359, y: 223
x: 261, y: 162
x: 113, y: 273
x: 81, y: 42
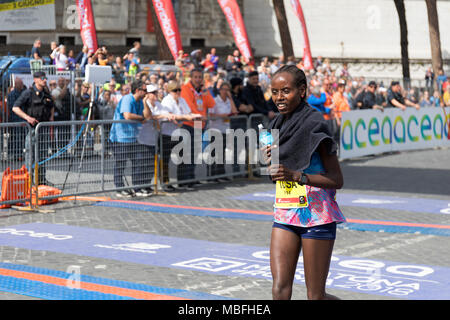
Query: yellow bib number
x: 290, y: 195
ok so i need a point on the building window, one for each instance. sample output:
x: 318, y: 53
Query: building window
x: 131, y: 41
x: 67, y: 41
x: 3, y: 40
x: 197, y: 43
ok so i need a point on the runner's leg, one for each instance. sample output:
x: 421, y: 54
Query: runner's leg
x: 285, y: 248
x: 316, y: 261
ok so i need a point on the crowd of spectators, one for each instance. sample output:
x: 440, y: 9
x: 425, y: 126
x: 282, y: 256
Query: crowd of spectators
x: 235, y: 86
x: 331, y: 91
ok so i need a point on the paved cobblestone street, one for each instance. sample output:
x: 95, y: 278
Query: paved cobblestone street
x: 408, y: 246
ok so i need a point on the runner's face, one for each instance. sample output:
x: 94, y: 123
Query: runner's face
x: 284, y: 93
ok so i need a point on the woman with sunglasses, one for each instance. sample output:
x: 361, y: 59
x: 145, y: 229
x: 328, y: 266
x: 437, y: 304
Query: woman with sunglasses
x: 176, y: 109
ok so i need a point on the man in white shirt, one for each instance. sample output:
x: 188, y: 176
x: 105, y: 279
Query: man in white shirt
x: 175, y: 108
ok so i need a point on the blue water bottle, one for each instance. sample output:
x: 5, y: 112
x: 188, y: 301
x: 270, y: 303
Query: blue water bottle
x: 265, y: 137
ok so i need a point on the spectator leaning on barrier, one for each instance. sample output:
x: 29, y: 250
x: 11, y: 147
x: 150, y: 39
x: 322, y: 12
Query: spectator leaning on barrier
x: 254, y: 96
x: 436, y: 99
x: 199, y: 101
x: 396, y: 100
x: 426, y: 102
x: 124, y: 139
x: 369, y: 99
x: 220, y: 121
x: 36, y: 105
x: 172, y: 111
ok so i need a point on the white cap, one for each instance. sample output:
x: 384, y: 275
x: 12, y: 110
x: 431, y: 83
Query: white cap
x: 152, y: 88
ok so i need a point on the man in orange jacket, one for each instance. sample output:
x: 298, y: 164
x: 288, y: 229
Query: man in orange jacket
x: 341, y: 105
x: 199, y: 100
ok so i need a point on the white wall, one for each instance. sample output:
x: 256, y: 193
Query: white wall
x: 367, y: 28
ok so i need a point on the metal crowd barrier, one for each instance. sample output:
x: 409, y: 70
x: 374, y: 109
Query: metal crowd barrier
x: 15, y: 167
x: 78, y: 158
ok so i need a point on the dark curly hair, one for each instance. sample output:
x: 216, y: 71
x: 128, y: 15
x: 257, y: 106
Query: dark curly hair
x: 298, y: 75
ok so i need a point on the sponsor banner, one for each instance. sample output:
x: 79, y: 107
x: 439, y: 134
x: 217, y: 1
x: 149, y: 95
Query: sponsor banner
x: 307, y: 57
x: 234, y: 17
x: 386, y: 278
x: 367, y: 132
x: 166, y: 17
x: 87, y: 24
x: 21, y: 15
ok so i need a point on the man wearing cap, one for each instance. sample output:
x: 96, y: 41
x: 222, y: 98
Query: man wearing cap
x: 254, y: 95
x: 36, y: 105
x: 369, y: 100
x: 395, y: 98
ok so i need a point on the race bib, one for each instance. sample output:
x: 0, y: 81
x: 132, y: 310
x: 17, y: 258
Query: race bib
x: 290, y: 195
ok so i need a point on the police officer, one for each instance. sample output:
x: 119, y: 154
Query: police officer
x: 36, y: 105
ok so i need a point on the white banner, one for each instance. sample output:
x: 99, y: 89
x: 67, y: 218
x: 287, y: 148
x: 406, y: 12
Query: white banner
x: 367, y: 132
x: 24, y: 15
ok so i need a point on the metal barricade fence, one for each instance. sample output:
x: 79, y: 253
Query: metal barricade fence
x: 79, y: 158
x: 223, y: 148
x: 14, y: 165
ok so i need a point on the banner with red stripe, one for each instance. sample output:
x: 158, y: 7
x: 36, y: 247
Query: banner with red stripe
x: 166, y: 17
x: 234, y: 17
x: 307, y: 57
x: 87, y: 24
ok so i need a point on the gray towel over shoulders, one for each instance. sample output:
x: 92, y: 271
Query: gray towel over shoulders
x: 300, y: 134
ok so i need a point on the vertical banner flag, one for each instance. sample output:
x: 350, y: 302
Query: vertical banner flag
x: 87, y: 24
x: 233, y: 14
x: 307, y: 57
x: 166, y: 17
